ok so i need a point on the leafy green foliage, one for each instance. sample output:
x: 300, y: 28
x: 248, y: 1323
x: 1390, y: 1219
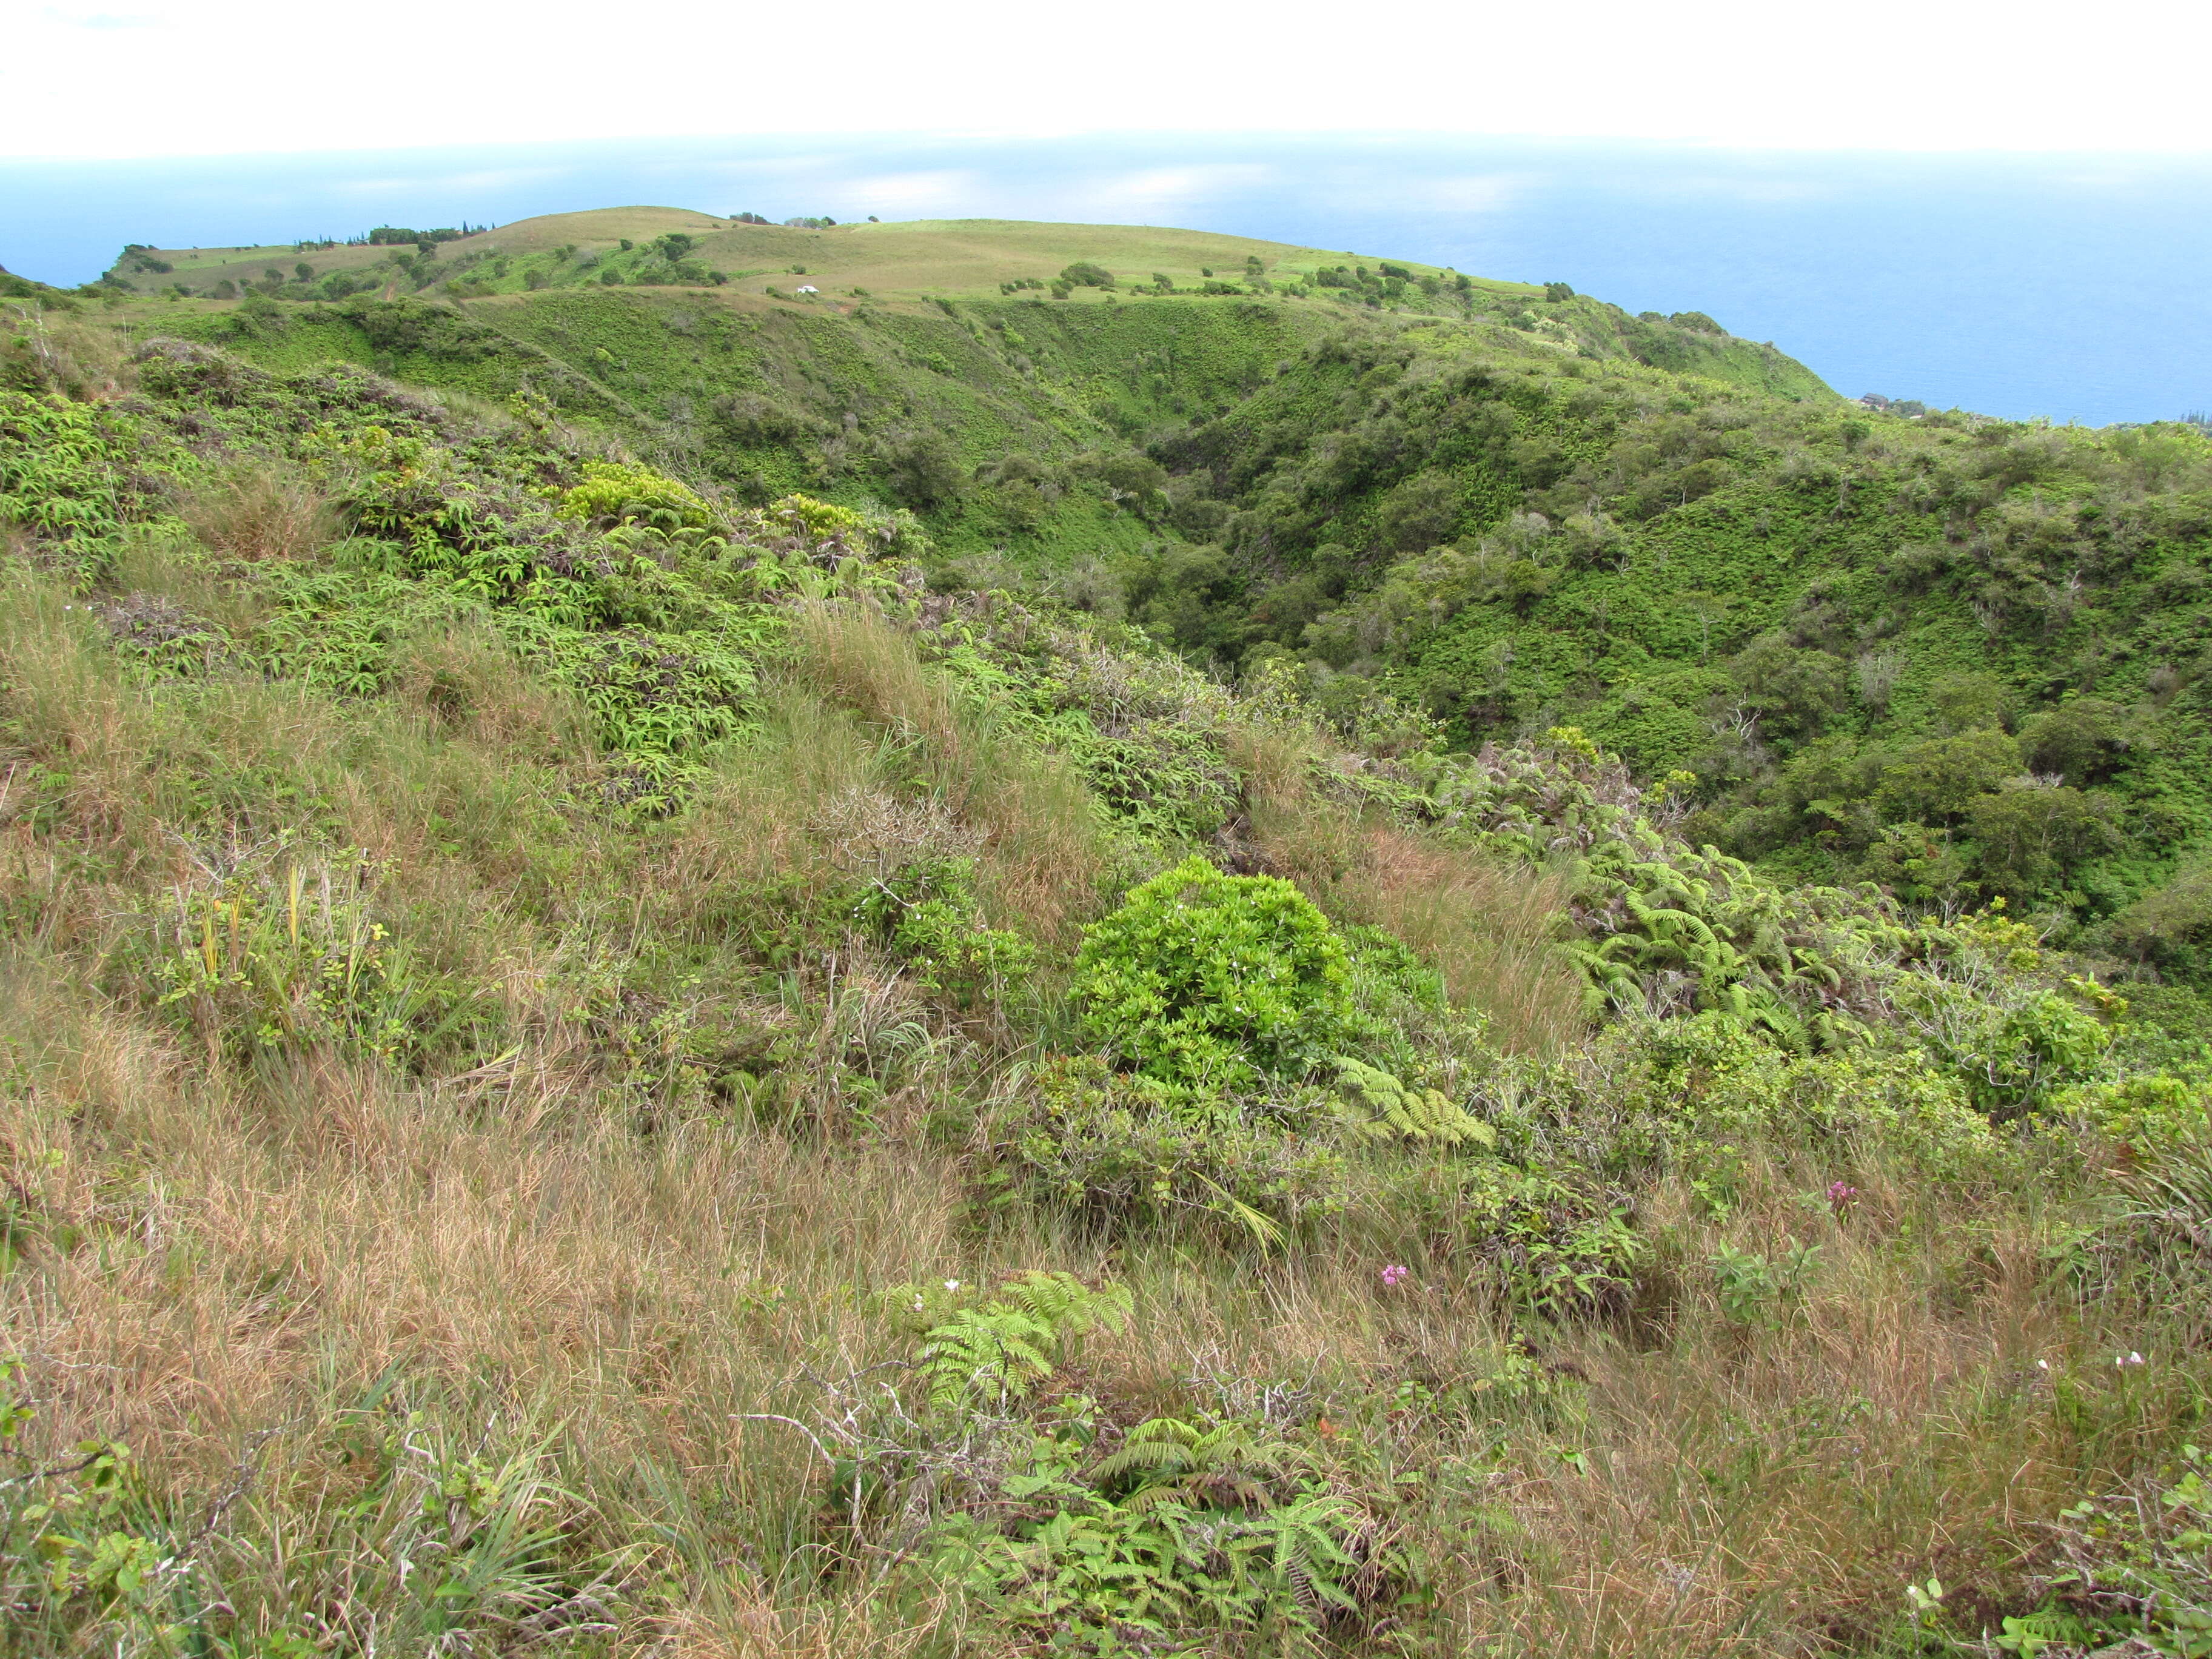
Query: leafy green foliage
x: 1183, y: 1528
x: 931, y: 915
x: 2134, y: 1572
x: 613, y: 493
x: 2145, y: 1111
x: 63, y: 471
x: 1210, y: 979
x: 1754, y: 1289
x: 294, y: 962
x: 1123, y: 1150
x: 1097, y: 1574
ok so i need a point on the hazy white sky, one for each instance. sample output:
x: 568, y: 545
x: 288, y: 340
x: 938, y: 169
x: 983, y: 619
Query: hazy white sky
x: 148, y: 77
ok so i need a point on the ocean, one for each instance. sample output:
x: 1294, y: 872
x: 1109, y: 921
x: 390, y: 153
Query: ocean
x: 2069, y: 288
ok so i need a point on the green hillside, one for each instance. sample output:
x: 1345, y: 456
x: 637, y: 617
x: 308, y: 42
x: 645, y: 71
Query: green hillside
x: 1021, y: 959
x: 1509, y: 509
x: 847, y: 269
x: 966, y: 257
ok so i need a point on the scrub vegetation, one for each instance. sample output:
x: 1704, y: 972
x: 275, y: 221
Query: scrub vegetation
x: 1300, y: 958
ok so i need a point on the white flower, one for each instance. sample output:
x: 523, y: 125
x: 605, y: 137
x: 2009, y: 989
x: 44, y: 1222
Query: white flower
x: 951, y: 1284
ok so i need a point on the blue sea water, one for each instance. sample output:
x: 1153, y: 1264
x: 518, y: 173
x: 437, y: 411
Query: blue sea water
x: 2077, y: 288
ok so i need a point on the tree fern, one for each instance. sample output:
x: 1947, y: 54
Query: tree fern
x: 1290, y: 1564
x: 1068, y: 1306
x: 1310, y: 1558
x: 995, y: 1351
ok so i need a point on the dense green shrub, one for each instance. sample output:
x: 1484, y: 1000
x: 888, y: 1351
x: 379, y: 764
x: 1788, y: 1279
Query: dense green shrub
x: 1211, y: 980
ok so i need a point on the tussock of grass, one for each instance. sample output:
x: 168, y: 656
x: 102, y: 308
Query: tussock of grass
x: 1043, y: 844
x: 1490, y: 930
x: 259, y: 511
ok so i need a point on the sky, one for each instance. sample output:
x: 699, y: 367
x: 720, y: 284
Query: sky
x: 123, y: 78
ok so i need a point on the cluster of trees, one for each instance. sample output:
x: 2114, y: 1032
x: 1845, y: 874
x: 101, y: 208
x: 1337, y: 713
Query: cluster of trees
x: 1390, y: 285
x: 1085, y: 273
x: 394, y: 236
x: 668, y: 260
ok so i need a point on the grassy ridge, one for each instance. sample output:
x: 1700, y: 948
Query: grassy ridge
x: 907, y: 260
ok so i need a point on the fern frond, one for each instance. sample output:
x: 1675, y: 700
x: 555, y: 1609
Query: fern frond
x: 1068, y: 1306
x: 992, y: 1350
x: 1379, y: 1108
x: 1265, y: 1230
x: 1009, y: 1346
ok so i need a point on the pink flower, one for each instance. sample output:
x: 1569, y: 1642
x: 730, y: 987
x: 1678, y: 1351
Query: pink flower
x: 1392, y: 1274
x: 1842, y: 1196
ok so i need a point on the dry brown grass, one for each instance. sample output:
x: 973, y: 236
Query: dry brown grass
x: 1769, y: 1488
x: 1044, y: 850
x: 166, y: 562
x: 284, y: 1241
x: 79, y: 358
x: 260, y: 511
x: 467, y: 682
x: 466, y: 724
x: 807, y: 768
x: 1487, y: 928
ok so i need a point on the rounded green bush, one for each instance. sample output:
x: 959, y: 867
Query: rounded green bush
x: 1213, y: 981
